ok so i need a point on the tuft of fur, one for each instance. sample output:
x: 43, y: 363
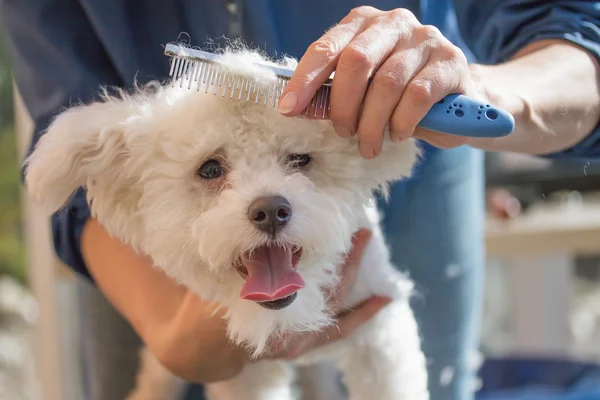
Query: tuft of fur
x: 137, y: 155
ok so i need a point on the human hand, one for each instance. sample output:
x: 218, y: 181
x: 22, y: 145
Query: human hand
x: 412, y: 67
x: 347, y: 321
x: 193, y: 342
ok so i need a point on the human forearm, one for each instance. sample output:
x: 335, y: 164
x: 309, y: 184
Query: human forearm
x: 552, y: 88
x: 177, y: 326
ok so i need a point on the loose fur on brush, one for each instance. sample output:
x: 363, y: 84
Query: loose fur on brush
x: 137, y: 154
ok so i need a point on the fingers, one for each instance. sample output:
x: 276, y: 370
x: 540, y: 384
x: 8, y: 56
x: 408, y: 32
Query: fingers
x: 357, y: 63
x: 294, y: 346
x: 389, y: 71
x: 350, y: 268
x: 319, y: 62
x: 383, y: 97
x: 351, y: 320
x: 442, y: 74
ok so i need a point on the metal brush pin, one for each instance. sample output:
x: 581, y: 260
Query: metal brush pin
x: 200, y: 70
x: 456, y: 114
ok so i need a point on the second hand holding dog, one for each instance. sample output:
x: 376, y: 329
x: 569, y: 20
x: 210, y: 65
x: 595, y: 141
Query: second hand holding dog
x: 187, y: 334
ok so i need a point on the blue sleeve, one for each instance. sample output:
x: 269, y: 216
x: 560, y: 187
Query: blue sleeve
x: 496, y: 30
x: 53, y: 67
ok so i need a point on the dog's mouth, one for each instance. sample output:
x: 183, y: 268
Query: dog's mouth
x: 270, y: 274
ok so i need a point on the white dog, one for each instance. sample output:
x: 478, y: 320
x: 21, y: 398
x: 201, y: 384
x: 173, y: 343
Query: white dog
x: 251, y: 210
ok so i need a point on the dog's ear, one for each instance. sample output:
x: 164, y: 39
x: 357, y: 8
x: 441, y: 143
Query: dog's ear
x: 80, y: 143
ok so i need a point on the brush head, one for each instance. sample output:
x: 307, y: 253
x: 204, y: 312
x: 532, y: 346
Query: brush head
x: 206, y: 71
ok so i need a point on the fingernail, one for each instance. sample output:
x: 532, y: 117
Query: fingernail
x: 288, y: 102
x: 366, y: 150
x: 343, y: 132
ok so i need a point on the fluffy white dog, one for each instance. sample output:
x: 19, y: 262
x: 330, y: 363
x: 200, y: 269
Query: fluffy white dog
x: 251, y: 210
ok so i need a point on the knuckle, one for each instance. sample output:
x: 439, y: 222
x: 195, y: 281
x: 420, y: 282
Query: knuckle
x: 389, y: 80
x: 356, y: 55
x: 362, y: 11
x: 419, y: 92
x: 454, y: 54
x: 402, y: 14
x: 399, y: 127
x: 428, y: 33
x: 325, y: 48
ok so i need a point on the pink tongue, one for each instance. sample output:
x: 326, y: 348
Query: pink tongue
x: 271, y: 275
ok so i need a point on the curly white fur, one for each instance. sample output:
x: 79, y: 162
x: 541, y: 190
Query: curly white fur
x: 137, y: 155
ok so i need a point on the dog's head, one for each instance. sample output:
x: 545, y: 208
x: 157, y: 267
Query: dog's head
x: 247, y: 207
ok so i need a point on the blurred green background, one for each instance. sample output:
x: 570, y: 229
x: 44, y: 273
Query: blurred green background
x: 12, y: 249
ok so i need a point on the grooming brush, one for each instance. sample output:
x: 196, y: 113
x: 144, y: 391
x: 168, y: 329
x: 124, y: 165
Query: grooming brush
x: 456, y: 114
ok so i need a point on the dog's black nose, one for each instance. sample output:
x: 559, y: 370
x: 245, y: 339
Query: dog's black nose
x: 270, y: 213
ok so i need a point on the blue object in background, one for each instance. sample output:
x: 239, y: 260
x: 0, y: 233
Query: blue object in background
x: 539, y: 379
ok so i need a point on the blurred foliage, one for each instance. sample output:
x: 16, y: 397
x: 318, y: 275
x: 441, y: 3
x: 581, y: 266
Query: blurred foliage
x: 12, y: 248
x: 6, y: 99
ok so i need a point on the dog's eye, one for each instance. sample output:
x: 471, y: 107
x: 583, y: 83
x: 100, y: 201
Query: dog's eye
x: 298, y: 160
x: 212, y: 169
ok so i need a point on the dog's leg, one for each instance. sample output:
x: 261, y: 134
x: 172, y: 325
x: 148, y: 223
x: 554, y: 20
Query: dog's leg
x: 264, y: 380
x: 384, y: 358
x: 155, y: 382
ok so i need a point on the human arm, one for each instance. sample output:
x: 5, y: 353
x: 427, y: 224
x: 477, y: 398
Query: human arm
x: 177, y: 326
x: 539, y: 61
x: 186, y: 334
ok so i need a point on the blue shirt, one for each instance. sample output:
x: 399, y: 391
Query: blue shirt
x: 63, y: 51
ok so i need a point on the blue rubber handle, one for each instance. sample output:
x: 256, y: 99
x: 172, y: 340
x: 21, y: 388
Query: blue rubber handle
x: 461, y: 115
